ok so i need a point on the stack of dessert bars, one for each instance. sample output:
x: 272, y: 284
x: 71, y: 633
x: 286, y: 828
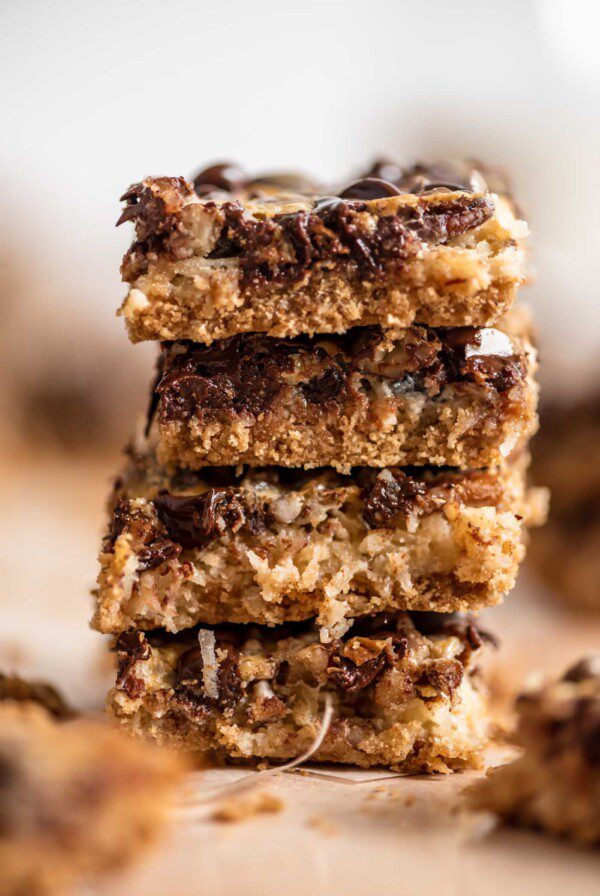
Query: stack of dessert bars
x: 333, y: 465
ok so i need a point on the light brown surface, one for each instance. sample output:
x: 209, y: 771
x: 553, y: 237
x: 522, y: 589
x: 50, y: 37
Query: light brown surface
x: 56, y: 517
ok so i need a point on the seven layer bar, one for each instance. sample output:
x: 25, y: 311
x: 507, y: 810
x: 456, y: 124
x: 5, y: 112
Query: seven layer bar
x: 412, y: 404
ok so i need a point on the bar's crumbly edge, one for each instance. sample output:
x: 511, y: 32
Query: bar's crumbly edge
x: 275, y: 545
x: 554, y: 786
x: 208, y: 266
x: 455, y: 397
x: 405, y: 692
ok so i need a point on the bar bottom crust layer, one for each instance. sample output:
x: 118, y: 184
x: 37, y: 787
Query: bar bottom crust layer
x: 461, y: 397
x: 405, y: 692
x: 274, y: 546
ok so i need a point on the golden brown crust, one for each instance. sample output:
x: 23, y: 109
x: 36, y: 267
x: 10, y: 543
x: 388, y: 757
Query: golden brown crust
x: 404, y: 693
x: 205, y: 268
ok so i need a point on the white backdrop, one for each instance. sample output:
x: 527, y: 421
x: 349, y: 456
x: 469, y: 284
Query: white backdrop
x: 96, y: 95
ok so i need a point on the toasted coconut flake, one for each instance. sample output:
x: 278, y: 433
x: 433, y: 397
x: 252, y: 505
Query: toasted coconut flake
x: 210, y: 665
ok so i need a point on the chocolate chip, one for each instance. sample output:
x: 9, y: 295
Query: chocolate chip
x: 193, y: 521
x: 369, y: 188
x: 584, y: 670
x: 393, y: 495
x: 223, y: 176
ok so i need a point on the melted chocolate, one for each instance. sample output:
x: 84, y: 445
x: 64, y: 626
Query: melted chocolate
x: 153, y: 548
x: 392, y: 496
x: 196, y: 520
x: 224, y: 176
x: 251, y: 374
x: 132, y: 647
x: 282, y: 248
x: 369, y: 188
x: 242, y: 375
x: 350, y: 677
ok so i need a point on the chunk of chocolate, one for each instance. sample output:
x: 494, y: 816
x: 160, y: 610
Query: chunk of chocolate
x: 194, y: 520
x: 224, y: 176
x: 154, y: 205
x: 393, y: 495
x: 353, y: 670
x: 369, y: 188
x: 242, y: 374
x: 132, y: 647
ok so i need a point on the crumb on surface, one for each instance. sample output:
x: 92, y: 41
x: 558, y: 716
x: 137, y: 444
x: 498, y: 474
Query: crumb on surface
x: 323, y: 824
x: 240, y: 808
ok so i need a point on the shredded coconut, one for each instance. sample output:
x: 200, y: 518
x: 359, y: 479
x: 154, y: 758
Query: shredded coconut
x: 210, y: 665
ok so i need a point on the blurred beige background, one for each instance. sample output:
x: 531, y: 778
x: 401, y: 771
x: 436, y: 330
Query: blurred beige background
x: 98, y: 95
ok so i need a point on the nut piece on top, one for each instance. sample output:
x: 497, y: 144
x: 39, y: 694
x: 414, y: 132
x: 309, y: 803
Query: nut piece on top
x: 276, y: 254
x: 555, y: 784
